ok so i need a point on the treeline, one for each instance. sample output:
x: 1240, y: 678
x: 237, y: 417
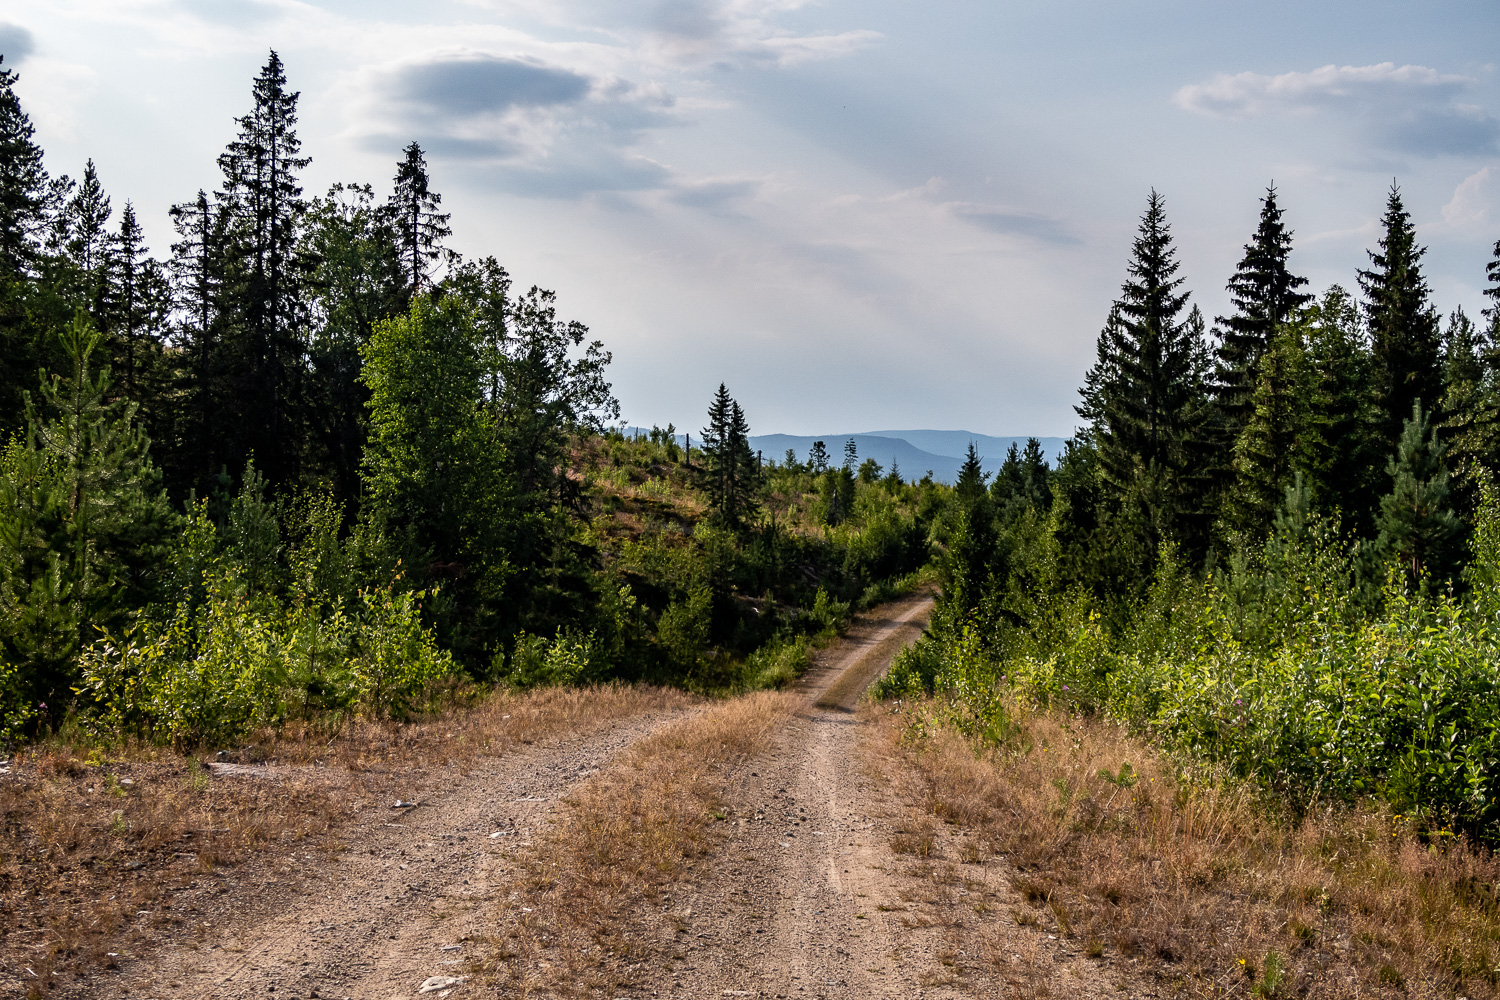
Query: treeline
x: 314, y: 461
x: 1273, y: 543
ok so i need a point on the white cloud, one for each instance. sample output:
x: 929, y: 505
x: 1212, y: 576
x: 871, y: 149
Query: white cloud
x: 1474, y: 200
x: 1244, y: 94
x: 1412, y: 109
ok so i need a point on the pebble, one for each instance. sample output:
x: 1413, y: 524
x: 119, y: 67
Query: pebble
x: 440, y: 983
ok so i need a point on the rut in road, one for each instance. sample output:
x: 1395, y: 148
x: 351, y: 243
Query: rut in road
x: 793, y: 897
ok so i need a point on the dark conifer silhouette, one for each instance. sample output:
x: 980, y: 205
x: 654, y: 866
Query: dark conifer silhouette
x: 420, y: 227
x: 1403, y: 324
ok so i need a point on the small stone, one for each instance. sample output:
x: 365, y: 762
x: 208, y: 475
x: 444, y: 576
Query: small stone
x: 403, y: 804
x: 440, y: 983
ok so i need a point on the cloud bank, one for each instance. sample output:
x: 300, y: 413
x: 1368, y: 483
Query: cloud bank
x: 1412, y: 109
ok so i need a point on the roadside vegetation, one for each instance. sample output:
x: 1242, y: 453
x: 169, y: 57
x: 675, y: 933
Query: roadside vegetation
x: 1231, y: 664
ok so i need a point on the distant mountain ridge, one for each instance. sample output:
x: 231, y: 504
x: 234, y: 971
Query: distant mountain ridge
x: 914, y: 451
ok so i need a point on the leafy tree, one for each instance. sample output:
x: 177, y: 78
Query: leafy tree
x: 1418, y: 530
x: 1265, y: 295
x: 551, y: 383
x: 420, y: 227
x: 1403, y: 324
x: 869, y: 471
x: 356, y: 281
x: 84, y: 524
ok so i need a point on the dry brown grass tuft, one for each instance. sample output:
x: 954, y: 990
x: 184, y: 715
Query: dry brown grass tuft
x: 596, y: 901
x: 93, y: 838
x: 1197, y: 881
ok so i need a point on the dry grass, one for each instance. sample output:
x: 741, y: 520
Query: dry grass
x: 91, y: 838
x: 596, y: 901
x: 1196, y: 883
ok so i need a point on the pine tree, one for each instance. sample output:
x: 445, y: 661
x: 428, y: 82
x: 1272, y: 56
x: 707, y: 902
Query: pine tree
x: 851, y: 454
x: 419, y: 225
x: 1265, y: 295
x: 263, y: 198
x: 1403, y: 325
x: 1418, y: 530
x: 83, y: 521
x: 817, y: 458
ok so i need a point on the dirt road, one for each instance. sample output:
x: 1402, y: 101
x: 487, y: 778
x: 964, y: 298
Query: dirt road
x: 799, y: 904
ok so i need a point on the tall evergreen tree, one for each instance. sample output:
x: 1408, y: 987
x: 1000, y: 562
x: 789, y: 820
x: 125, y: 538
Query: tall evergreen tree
x: 970, y: 486
x: 731, y: 476
x: 1343, y: 439
x: 87, y: 240
x: 421, y: 228
x: 1265, y: 295
x: 203, y: 274
x: 1145, y: 396
x: 1403, y: 324
x: 23, y: 183
x: 263, y: 198
x: 23, y: 221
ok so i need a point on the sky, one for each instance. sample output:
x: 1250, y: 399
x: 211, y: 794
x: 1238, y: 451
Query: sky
x: 857, y: 215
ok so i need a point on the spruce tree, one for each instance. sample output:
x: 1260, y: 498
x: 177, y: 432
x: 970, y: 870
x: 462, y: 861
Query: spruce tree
x: 204, y: 275
x: 23, y: 184
x: 1419, y: 531
x: 730, y: 472
x: 1403, y: 324
x: 88, y: 240
x: 1265, y: 295
x: 1269, y: 451
x: 23, y: 221
x: 263, y: 198
x: 1146, y: 396
x: 1344, y: 439
x: 421, y: 228
x: 970, y: 484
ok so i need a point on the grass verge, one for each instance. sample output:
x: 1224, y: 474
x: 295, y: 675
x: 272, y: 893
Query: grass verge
x: 1193, y: 880
x: 593, y: 905
x: 95, y: 836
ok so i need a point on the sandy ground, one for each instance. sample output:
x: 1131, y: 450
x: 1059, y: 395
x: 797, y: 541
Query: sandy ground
x: 805, y: 897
